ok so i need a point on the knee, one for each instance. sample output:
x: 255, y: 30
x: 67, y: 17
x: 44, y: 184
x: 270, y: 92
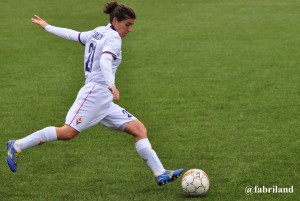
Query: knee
x: 140, y: 132
x: 136, y: 129
x: 68, y: 136
x: 66, y: 133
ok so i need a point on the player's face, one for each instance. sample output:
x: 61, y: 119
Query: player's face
x: 123, y: 27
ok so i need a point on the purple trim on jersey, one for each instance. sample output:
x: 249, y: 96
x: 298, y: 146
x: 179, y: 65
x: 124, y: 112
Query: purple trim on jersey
x: 80, y: 40
x: 112, y: 27
x: 112, y: 54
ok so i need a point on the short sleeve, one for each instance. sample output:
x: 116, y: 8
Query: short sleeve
x: 83, y: 36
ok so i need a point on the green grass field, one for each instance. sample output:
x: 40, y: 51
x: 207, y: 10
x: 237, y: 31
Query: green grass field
x: 215, y: 82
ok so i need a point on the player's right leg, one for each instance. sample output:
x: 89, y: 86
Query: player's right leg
x: 12, y: 155
x: 49, y: 134
x: 14, y: 147
x: 86, y: 111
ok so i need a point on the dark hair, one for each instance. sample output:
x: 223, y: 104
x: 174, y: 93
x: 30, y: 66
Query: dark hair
x: 120, y: 11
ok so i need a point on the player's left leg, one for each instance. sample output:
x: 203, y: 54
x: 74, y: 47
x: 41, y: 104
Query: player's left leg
x: 144, y: 148
x: 119, y: 119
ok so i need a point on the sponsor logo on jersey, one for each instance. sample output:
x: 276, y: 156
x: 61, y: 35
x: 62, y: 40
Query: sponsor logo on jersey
x: 97, y: 35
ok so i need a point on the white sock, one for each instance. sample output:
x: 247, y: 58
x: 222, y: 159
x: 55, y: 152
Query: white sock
x: 145, y: 150
x: 40, y: 137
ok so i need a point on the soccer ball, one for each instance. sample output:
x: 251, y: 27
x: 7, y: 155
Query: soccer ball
x: 195, y: 182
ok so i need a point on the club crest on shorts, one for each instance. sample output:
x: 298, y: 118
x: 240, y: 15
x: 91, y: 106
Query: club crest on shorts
x: 79, y: 120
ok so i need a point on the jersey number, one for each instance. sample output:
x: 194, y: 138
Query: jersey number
x: 89, y: 62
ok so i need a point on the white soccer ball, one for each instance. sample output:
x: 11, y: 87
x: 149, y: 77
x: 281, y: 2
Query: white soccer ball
x: 195, y: 182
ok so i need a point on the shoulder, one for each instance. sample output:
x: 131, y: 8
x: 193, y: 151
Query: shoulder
x: 107, y: 32
x: 113, y: 37
x: 113, y: 34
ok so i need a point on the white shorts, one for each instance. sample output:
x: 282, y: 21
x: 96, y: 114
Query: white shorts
x: 94, y: 105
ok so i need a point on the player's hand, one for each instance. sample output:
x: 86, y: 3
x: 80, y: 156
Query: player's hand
x: 39, y: 21
x: 115, y: 92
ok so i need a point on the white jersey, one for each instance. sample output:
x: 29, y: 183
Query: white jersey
x: 103, y: 39
x: 94, y: 103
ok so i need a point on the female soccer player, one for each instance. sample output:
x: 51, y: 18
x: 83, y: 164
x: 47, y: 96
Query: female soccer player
x: 94, y: 103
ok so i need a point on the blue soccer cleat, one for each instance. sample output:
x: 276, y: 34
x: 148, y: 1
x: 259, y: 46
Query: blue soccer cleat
x: 168, y: 176
x: 12, y: 155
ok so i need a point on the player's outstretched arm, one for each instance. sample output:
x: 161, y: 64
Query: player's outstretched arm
x: 39, y: 21
x: 64, y: 33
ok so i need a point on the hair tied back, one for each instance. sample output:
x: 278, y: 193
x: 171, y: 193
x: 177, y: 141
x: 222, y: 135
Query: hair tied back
x: 109, y: 7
